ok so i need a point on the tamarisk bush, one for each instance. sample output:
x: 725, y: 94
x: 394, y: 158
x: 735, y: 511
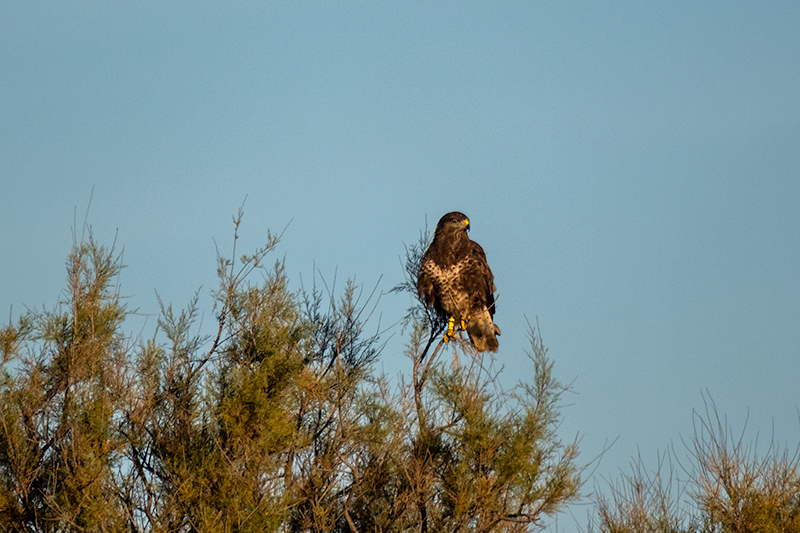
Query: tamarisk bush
x: 274, y: 421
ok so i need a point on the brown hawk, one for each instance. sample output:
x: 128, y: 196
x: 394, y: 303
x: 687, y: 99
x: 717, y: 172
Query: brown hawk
x: 455, y: 279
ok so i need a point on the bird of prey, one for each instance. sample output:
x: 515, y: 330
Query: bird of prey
x: 455, y: 279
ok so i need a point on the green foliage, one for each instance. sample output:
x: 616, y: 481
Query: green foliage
x: 275, y: 421
x: 494, y: 459
x: 58, y: 443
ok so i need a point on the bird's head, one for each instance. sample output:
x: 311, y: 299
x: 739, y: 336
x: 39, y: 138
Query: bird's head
x: 453, y: 222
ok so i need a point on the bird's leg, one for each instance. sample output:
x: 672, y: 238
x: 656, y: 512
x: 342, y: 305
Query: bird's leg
x: 450, y: 327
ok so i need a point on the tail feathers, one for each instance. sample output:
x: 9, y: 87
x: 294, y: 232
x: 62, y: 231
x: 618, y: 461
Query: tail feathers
x: 483, y: 331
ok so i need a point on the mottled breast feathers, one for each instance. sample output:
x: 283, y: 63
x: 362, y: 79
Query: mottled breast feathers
x: 456, y: 281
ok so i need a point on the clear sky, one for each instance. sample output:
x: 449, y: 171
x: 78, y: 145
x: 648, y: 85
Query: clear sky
x: 632, y: 170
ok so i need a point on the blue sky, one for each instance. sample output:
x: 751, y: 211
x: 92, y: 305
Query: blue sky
x: 631, y: 169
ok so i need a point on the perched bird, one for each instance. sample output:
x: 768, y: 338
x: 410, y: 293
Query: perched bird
x: 455, y: 279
